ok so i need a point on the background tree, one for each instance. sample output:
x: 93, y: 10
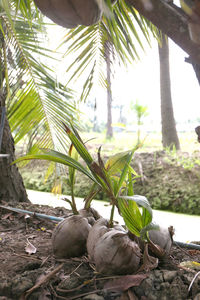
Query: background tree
x: 108, y: 53
x: 141, y: 112
x: 169, y: 133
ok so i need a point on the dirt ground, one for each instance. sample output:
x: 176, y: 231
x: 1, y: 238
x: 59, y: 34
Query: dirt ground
x: 30, y: 271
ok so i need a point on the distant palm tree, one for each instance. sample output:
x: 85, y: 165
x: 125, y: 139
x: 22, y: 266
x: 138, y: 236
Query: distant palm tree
x: 31, y: 99
x: 169, y: 133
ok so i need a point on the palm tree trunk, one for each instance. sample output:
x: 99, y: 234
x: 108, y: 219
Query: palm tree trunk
x: 169, y: 133
x: 109, y: 133
x: 11, y: 184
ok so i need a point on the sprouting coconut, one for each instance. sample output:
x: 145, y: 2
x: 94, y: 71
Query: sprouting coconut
x: 91, y: 214
x: 69, y: 237
x: 99, y: 229
x: 162, y: 238
x: 115, y: 253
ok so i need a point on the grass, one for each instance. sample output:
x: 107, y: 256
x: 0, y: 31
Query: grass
x: 152, y: 141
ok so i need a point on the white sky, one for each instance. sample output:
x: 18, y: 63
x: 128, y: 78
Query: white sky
x: 141, y: 81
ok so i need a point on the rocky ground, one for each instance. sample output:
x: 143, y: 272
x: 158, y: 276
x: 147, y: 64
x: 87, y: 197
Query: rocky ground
x: 30, y: 271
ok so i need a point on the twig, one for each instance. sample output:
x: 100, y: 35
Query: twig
x: 196, y: 275
x: 44, y: 261
x: 28, y: 257
x: 44, y: 280
x: 76, y: 269
x: 180, y: 248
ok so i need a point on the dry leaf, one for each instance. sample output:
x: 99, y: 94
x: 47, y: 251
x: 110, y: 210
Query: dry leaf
x: 8, y: 216
x: 125, y: 282
x: 30, y: 249
x: 190, y: 265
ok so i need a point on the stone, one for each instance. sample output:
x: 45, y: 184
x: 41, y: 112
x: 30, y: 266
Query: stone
x: 93, y: 297
x: 169, y: 275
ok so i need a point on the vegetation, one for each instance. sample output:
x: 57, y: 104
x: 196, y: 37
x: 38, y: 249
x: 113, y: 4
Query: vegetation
x: 115, y: 178
x: 177, y: 173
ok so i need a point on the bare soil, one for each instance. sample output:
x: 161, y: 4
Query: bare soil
x: 41, y: 276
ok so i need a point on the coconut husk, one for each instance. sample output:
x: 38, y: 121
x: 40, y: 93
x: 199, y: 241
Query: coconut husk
x: 69, y: 237
x: 162, y: 238
x: 70, y: 13
x: 99, y: 229
x: 115, y: 253
x: 91, y: 214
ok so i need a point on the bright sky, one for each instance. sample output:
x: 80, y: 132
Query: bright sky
x: 141, y: 82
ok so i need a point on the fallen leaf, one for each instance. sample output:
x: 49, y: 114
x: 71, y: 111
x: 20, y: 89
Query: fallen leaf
x: 43, y: 229
x: 8, y: 216
x: 125, y: 282
x: 30, y: 249
x: 194, y: 252
x: 190, y: 265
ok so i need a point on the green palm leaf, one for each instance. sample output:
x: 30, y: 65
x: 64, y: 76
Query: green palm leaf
x: 54, y: 156
x: 36, y: 102
x: 138, y: 223
x: 123, y: 31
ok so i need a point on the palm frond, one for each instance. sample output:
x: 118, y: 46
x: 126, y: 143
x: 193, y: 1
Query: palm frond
x: 37, y: 102
x: 126, y: 31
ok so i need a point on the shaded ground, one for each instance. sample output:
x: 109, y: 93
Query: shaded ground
x: 47, y: 278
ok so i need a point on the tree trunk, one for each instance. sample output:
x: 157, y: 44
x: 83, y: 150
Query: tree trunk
x: 169, y: 133
x: 12, y: 189
x: 109, y: 133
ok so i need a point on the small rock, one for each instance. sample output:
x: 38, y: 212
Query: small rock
x: 20, y: 285
x: 169, y: 275
x: 158, y: 276
x: 69, y: 283
x: 197, y: 297
x: 93, y: 297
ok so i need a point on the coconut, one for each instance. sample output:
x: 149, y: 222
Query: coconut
x: 162, y: 238
x: 91, y: 214
x: 115, y: 253
x: 69, y: 237
x: 99, y: 228
x: 70, y: 13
